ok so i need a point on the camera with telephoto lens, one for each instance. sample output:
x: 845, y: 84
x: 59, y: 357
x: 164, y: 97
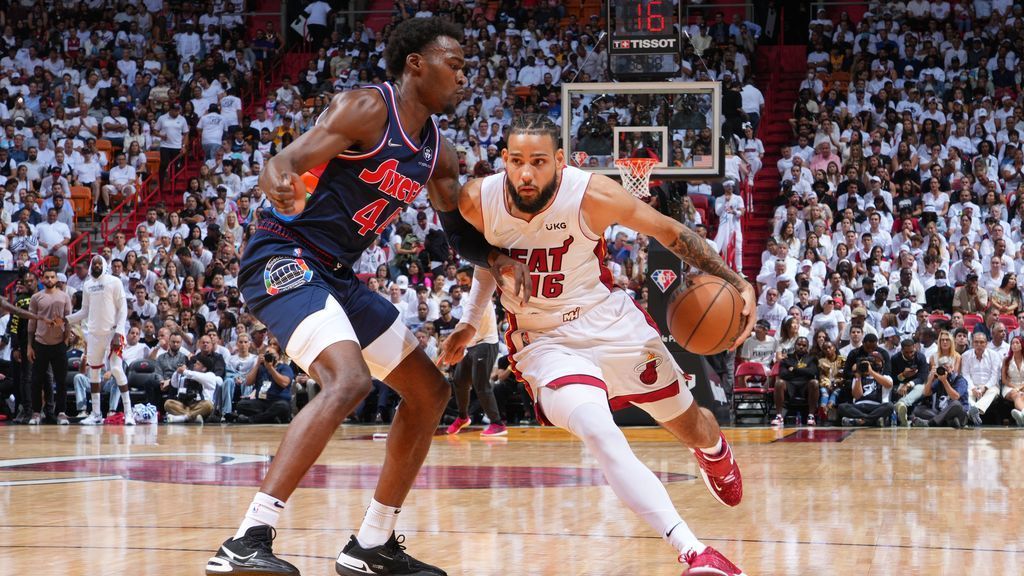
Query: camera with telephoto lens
x: 940, y: 371
x: 268, y: 357
x: 191, y: 393
x: 863, y: 366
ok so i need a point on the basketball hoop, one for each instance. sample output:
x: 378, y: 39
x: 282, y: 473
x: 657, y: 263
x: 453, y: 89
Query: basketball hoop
x: 579, y: 158
x: 636, y: 175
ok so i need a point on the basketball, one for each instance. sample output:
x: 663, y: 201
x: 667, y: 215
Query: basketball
x: 705, y: 317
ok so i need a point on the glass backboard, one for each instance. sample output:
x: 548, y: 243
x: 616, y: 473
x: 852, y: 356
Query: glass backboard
x: 678, y: 123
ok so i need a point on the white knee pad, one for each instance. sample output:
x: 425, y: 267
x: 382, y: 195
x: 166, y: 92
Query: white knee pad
x: 117, y: 370
x: 669, y: 408
x: 560, y: 403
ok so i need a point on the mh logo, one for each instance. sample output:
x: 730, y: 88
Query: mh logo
x: 664, y: 278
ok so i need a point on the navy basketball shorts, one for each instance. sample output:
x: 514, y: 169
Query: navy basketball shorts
x: 308, y: 306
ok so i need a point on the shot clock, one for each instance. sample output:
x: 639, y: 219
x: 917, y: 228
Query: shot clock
x: 643, y: 38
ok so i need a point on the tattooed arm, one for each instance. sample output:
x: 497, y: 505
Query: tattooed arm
x: 607, y: 203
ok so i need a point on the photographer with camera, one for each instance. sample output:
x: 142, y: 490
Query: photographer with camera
x: 869, y: 386
x: 909, y: 369
x: 271, y: 399
x: 948, y: 400
x: 195, y: 391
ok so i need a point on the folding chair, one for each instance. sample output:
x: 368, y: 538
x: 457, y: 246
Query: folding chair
x: 755, y: 394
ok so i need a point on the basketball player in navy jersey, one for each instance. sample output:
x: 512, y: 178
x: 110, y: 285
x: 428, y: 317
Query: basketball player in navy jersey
x: 580, y: 345
x: 367, y: 158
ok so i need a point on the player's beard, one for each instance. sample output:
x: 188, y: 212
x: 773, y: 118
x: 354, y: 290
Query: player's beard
x: 534, y: 206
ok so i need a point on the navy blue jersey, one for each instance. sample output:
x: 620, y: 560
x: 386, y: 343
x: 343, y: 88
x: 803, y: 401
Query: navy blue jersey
x: 356, y: 195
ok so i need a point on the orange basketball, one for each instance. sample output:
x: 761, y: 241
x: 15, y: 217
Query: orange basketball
x: 705, y: 317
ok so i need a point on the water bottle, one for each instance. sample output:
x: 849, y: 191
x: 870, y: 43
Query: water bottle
x: 892, y: 419
x: 798, y: 420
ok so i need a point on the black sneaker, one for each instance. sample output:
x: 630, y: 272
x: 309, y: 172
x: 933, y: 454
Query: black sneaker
x: 250, y: 555
x: 388, y: 558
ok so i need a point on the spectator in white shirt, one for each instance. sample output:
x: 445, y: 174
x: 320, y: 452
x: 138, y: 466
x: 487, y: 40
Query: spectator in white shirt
x: 53, y: 183
x: 121, y: 180
x: 317, y: 22
x: 188, y: 43
x: 54, y: 237
x: 371, y: 258
x: 981, y: 367
x: 287, y: 93
x: 173, y: 130
x: 87, y: 173
x: 263, y: 122
x: 231, y: 109
x: 115, y: 126
x: 154, y: 226
x: 211, y: 130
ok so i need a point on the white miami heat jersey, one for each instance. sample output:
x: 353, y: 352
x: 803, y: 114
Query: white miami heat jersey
x: 565, y: 258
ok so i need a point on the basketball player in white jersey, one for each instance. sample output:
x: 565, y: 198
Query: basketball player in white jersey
x: 104, y: 312
x: 577, y: 344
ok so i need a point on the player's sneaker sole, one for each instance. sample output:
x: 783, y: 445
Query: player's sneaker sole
x: 710, y: 572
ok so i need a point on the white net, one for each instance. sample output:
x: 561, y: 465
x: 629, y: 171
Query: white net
x: 636, y: 175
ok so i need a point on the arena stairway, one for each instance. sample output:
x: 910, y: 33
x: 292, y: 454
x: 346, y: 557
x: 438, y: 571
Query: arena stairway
x: 782, y: 68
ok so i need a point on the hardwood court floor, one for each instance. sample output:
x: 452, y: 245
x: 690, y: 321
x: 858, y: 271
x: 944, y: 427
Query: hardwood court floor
x: 158, y: 500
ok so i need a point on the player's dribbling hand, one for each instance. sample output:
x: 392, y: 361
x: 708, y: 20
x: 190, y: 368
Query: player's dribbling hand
x: 454, y: 346
x: 288, y: 194
x: 505, y: 265
x: 748, y: 317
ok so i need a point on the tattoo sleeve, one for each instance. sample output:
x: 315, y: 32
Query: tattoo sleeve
x: 696, y: 252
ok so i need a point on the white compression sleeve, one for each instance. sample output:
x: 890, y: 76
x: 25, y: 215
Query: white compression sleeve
x: 583, y: 410
x: 475, y: 305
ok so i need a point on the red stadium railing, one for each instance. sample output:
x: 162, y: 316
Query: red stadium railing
x: 120, y: 216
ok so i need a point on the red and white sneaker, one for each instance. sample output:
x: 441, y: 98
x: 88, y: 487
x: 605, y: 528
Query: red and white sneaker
x: 495, y: 430
x: 722, y: 475
x: 458, y: 425
x: 811, y: 422
x: 710, y: 562
x: 778, y: 421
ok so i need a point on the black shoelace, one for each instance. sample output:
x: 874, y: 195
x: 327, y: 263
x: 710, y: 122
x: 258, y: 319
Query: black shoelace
x: 396, y: 548
x: 260, y: 543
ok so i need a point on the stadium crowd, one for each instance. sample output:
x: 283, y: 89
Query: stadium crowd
x: 889, y: 288
x: 897, y: 221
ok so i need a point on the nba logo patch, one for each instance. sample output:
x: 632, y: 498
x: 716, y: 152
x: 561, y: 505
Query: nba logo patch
x: 282, y: 273
x: 664, y: 278
x: 428, y: 153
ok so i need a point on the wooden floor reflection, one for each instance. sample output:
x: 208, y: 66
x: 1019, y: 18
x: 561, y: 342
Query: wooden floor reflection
x: 157, y: 500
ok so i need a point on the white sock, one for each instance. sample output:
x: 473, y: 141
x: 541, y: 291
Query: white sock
x: 96, y: 408
x: 264, y: 510
x: 175, y: 418
x: 715, y: 450
x: 378, y: 524
x: 126, y: 398
x: 683, y: 539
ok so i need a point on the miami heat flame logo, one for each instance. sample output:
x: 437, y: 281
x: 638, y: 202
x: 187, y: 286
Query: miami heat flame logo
x: 648, y: 369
